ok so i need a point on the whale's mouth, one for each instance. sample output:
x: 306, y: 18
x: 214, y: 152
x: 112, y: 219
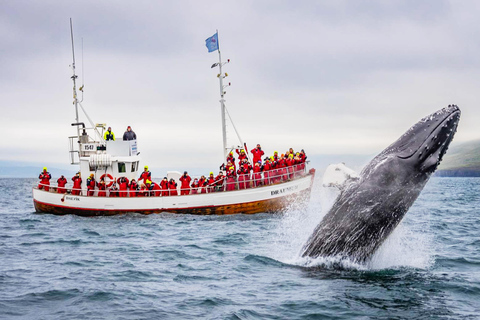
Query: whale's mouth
x: 428, y: 140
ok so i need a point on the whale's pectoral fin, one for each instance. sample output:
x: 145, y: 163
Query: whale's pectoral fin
x: 339, y: 176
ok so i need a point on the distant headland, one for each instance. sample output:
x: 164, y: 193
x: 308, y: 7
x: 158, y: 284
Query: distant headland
x: 461, y: 160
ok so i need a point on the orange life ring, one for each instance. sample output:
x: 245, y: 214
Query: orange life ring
x: 110, y: 177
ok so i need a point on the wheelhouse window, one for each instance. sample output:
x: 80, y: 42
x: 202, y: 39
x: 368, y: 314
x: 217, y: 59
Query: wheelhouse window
x: 121, y: 167
x: 134, y: 166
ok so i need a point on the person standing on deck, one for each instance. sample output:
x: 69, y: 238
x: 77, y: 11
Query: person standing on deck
x: 77, y: 184
x: 257, y: 153
x: 91, y: 183
x: 129, y: 134
x: 109, y: 135
x: 102, y: 188
x: 185, y: 187
x: 61, y: 182
x: 133, y: 186
x: 172, y: 187
x: 44, y: 177
x: 164, y: 185
x: 146, y: 175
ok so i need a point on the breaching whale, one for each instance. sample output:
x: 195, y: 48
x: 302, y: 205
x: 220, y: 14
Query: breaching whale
x: 369, y: 209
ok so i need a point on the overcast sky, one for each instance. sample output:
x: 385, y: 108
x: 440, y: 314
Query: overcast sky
x: 332, y: 77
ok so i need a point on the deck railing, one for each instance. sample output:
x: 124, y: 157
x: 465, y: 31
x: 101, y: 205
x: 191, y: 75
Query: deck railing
x: 228, y: 183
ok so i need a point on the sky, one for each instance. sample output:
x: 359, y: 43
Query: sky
x: 331, y: 77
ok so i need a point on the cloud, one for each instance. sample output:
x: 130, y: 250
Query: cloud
x: 330, y: 77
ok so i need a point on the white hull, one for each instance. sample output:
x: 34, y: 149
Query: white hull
x: 271, y: 198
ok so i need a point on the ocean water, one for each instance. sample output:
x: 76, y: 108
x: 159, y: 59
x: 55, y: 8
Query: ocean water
x: 237, y: 267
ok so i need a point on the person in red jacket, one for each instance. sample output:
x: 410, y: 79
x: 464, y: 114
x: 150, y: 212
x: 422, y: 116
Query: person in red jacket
x: 290, y: 163
x: 219, y: 181
x: 230, y: 159
x: 231, y: 179
x: 164, y: 186
x: 247, y: 168
x: 61, y: 182
x: 122, y: 186
x: 172, y: 187
x: 257, y: 174
x: 257, y: 153
x: 241, y: 178
x: 241, y: 155
x: 146, y: 175
x: 44, y: 177
x: 77, y: 184
x: 102, y: 188
x: 202, y: 185
x: 211, y: 183
x: 185, y: 187
x: 282, y: 168
x: 153, y: 188
x: 133, y: 188
x: 91, y: 183
x: 194, y: 186
x: 267, y: 171
x: 113, y: 190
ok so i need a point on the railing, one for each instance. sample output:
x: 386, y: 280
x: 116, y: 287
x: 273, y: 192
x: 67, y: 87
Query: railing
x: 226, y: 184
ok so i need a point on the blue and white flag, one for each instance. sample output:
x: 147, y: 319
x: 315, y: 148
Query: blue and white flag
x: 212, y: 43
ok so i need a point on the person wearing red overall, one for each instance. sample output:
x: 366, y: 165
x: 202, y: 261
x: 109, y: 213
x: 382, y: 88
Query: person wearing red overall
x: 153, y: 188
x: 241, y: 178
x: 122, y: 187
x: 247, y: 168
x: 241, y: 155
x: 102, y: 188
x: 194, y: 186
x: 267, y: 171
x: 142, y: 192
x: 231, y: 179
x: 202, y: 183
x: 44, y: 177
x: 257, y: 153
x: 113, y: 191
x: 282, y: 168
x: 61, y: 182
x: 172, y: 187
x: 220, y: 179
x: 290, y: 162
x: 91, y: 183
x: 164, y: 186
x: 230, y: 159
x: 185, y: 186
x: 77, y: 184
x: 146, y: 175
x: 133, y: 188
x: 211, y: 183
x: 257, y: 174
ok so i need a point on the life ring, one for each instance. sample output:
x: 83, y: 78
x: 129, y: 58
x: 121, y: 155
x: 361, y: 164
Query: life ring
x: 108, y: 176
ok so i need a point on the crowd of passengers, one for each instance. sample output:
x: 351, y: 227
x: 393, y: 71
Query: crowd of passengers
x: 272, y: 170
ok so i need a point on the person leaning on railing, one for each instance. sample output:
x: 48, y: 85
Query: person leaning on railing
x: 44, y: 177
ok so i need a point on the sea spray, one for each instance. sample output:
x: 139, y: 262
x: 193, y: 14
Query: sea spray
x: 410, y: 245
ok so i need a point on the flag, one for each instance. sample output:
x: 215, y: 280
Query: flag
x: 212, y: 43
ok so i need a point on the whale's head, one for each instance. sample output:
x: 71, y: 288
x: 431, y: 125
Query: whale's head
x: 419, y: 151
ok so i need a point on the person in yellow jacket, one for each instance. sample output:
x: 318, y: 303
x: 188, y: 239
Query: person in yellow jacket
x: 109, y: 135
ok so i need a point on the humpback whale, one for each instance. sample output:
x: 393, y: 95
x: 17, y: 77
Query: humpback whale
x: 369, y: 208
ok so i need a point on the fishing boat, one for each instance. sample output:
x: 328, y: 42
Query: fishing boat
x: 270, y: 191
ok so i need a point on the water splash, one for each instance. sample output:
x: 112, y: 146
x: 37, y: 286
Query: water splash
x: 409, y: 245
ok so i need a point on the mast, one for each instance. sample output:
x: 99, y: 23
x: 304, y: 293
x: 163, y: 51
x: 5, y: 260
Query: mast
x: 221, y: 76
x: 74, y: 77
